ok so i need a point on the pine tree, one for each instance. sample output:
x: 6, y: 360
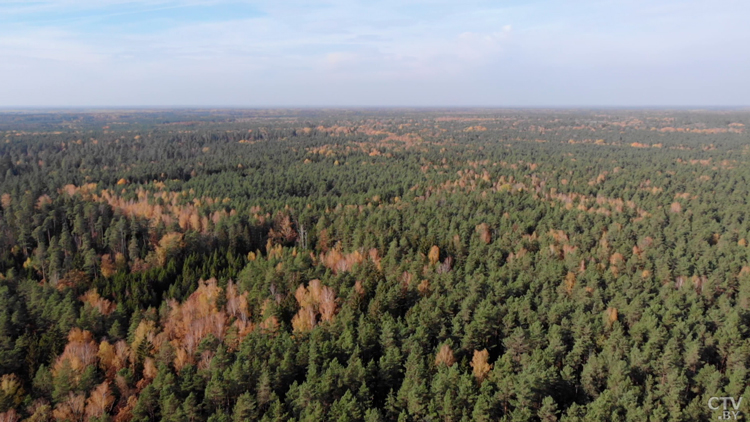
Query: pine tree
x: 245, y: 408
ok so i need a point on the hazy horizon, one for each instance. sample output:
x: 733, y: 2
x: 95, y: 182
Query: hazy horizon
x: 364, y: 108
x: 338, y: 54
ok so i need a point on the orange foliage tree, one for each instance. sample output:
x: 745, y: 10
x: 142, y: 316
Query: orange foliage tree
x: 100, y: 401
x: 80, y: 352
x: 313, y: 300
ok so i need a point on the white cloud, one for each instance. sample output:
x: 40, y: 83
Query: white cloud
x: 412, y: 52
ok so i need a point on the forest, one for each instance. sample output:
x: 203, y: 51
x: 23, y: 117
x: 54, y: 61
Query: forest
x: 373, y: 265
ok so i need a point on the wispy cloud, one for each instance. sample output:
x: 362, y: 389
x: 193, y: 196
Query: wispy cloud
x: 337, y: 52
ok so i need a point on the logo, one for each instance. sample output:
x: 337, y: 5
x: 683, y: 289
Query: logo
x: 728, y: 405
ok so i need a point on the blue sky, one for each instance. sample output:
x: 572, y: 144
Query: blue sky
x: 374, y: 53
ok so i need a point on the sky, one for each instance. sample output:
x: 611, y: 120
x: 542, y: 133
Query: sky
x: 341, y: 53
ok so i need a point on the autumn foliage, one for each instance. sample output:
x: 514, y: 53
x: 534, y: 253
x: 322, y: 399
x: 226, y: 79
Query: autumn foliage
x: 339, y: 262
x: 100, y: 401
x: 444, y: 356
x: 80, y: 352
x: 483, y: 230
x: 404, y: 265
x: 314, y: 300
x: 479, y: 364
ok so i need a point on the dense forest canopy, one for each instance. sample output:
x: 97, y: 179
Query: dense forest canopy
x: 373, y: 265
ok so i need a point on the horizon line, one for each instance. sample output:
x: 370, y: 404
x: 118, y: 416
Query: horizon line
x: 4, y: 109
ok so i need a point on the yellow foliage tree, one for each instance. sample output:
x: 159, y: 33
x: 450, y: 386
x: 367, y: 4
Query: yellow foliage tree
x: 570, y: 282
x: 434, y: 255
x: 168, y: 244
x: 479, y: 364
x: 11, y: 389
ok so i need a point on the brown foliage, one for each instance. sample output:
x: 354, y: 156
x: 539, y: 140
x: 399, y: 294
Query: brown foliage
x: 42, y: 201
x: 196, y: 318
x: 570, y: 282
x: 122, y: 354
x: 616, y: 258
x: 10, y: 416
x: 359, y: 288
x: 559, y: 236
x: 85, y: 190
x: 72, y: 409
x: 675, y: 208
x: 340, y: 263
x: 73, y: 278
x: 374, y: 257
x: 304, y: 299
x: 108, y: 266
x: 270, y: 324
x: 100, y: 401
x: 645, y: 242
x: 104, y: 306
x: 699, y: 281
x: 612, y: 315
x: 327, y: 304
x: 40, y: 411
x: 190, y: 322
x: 304, y: 320
x: 637, y: 251
x: 555, y: 251
x: 446, y: 266
x: 457, y: 244
x: 479, y: 364
x: 5, y: 201
x: 236, y: 305
x: 324, y: 240
x: 313, y: 300
x: 283, y: 230
x: 80, y: 352
x: 484, y: 232
x: 424, y: 287
x: 172, y: 208
x: 123, y: 388
x: 126, y: 412
x: 181, y: 357
x: 149, y: 369
x: 568, y: 250
x: 445, y: 356
x: 406, y: 278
